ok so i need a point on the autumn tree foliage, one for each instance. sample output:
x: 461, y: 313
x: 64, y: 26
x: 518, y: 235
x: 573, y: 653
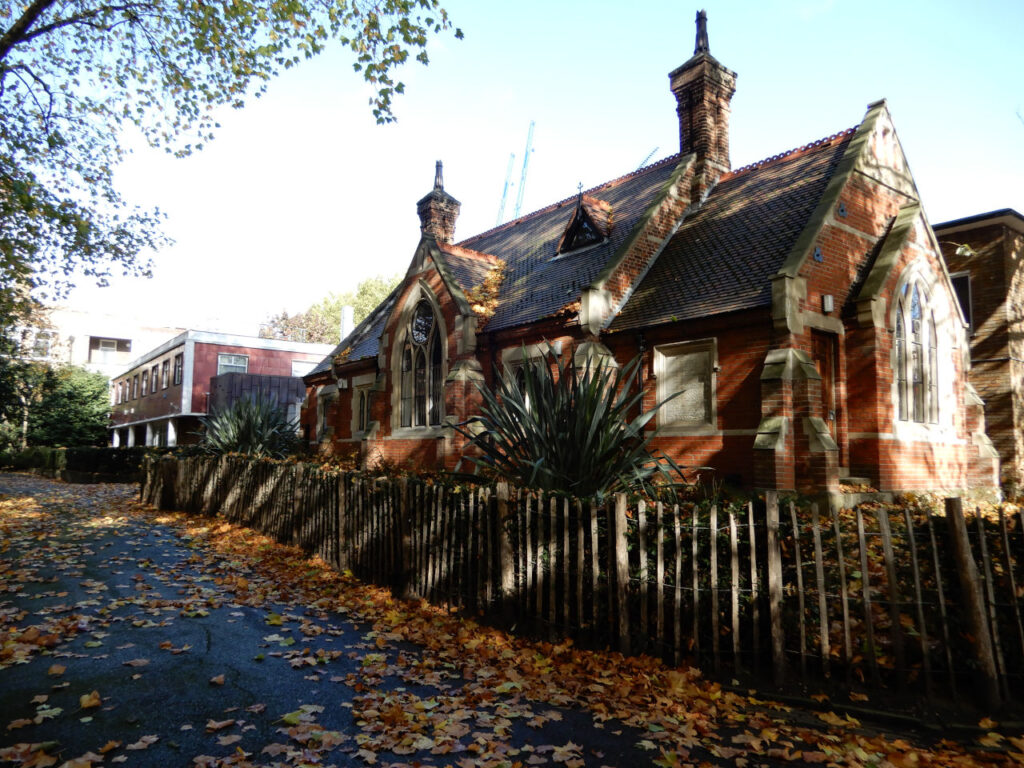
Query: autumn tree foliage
x: 321, y: 323
x: 75, y: 74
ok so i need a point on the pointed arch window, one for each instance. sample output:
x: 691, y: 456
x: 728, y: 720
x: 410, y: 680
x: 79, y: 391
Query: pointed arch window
x: 363, y: 410
x: 901, y: 369
x: 916, y: 357
x: 422, y: 397
x: 406, y: 408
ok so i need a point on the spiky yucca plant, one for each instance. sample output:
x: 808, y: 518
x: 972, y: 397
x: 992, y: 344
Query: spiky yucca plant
x: 256, y: 426
x: 566, y: 428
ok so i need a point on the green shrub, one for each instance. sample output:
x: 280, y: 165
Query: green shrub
x: 255, y: 426
x: 105, y: 464
x: 568, y: 429
x: 36, y: 457
x: 73, y: 408
x: 123, y: 462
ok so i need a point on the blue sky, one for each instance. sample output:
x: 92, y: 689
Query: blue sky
x: 302, y: 193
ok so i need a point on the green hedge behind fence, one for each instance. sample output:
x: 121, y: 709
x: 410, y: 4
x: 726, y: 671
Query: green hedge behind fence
x: 86, y: 464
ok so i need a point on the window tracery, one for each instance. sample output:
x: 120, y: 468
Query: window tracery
x: 916, y: 357
x: 422, y: 377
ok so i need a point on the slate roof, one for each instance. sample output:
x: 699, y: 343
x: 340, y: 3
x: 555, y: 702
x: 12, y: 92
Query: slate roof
x: 720, y: 260
x: 469, y: 268
x: 536, y: 283
x: 723, y: 256
x: 364, y: 341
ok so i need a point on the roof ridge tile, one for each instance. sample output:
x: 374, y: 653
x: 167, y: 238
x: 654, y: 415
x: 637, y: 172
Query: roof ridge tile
x: 795, y: 152
x: 572, y: 198
x: 452, y: 249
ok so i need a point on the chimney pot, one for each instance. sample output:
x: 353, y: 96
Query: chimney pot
x: 703, y: 89
x: 347, y: 320
x: 438, y: 210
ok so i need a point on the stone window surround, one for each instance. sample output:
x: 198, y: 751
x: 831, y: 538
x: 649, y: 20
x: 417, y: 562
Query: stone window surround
x: 326, y: 396
x: 664, y: 351
x: 420, y: 291
x: 946, y: 323
x: 361, y: 385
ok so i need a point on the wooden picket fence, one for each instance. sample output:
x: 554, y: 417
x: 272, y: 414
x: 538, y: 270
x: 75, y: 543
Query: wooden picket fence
x: 871, y: 599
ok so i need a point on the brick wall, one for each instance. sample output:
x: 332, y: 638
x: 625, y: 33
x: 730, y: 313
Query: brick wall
x: 995, y: 264
x: 868, y: 441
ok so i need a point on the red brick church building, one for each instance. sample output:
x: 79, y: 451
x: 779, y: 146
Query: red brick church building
x: 800, y: 304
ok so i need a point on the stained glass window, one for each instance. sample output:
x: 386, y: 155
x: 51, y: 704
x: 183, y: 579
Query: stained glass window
x: 916, y: 357
x: 422, y: 397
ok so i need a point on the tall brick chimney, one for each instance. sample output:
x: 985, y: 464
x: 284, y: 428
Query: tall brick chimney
x: 438, y: 211
x: 703, y: 89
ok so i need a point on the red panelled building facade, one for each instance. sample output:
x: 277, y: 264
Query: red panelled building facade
x: 800, y: 305
x: 158, y: 400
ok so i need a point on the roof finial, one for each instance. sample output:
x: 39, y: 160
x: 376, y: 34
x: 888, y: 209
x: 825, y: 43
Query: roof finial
x: 702, y: 45
x: 438, y: 180
x: 579, y: 195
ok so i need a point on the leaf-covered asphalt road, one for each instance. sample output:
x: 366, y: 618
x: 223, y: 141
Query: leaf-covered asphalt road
x: 145, y: 639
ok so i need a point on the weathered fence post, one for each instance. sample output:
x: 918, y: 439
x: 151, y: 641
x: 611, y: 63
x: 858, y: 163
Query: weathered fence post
x: 620, y: 545
x: 298, y: 504
x: 771, y: 499
x: 404, y: 587
x: 894, y: 595
x: 505, y: 556
x: 168, y: 469
x: 967, y: 571
x: 819, y: 572
x: 145, y: 487
x: 344, y: 540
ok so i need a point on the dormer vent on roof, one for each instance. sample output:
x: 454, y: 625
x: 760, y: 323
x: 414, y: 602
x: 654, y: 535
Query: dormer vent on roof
x: 591, y: 223
x: 703, y: 89
x: 438, y: 210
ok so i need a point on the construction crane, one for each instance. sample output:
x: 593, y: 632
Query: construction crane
x: 522, y: 176
x: 504, y: 190
x: 649, y: 156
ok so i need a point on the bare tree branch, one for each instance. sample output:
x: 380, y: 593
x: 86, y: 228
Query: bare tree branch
x: 17, y: 31
x: 87, y: 19
x: 45, y: 111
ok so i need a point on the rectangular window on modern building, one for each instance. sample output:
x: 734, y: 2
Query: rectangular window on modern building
x: 154, y: 379
x: 104, y: 352
x: 302, y: 367
x: 179, y: 366
x: 135, y: 386
x: 145, y: 383
x: 232, y: 364
x: 165, y: 376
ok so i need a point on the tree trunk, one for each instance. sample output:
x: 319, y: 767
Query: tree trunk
x: 24, y: 421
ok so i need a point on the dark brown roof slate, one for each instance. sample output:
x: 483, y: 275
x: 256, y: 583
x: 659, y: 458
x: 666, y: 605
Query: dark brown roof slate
x: 722, y: 258
x: 364, y: 341
x: 537, y: 283
x: 468, y: 267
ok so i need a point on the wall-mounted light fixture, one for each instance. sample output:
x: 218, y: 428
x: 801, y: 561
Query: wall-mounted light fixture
x: 828, y: 303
